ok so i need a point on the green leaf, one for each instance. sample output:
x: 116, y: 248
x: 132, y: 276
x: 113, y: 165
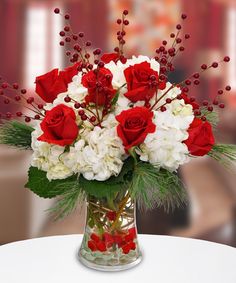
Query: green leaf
x: 109, y: 187
x: 116, y: 97
x: 40, y: 185
x: 152, y: 187
x: 16, y: 134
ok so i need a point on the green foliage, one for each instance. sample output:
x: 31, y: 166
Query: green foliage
x: 224, y: 154
x: 40, y: 185
x: 212, y: 117
x: 67, y: 203
x: 16, y: 134
x: 109, y: 187
x: 116, y: 97
x: 153, y: 187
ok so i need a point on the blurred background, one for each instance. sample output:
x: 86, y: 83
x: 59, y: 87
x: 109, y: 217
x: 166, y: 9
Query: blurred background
x: 29, y: 46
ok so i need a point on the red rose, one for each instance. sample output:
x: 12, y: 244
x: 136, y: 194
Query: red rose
x: 108, y: 57
x: 187, y: 100
x: 201, y: 138
x: 142, y: 82
x: 48, y: 86
x: 59, y: 126
x: 98, y: 83
x: 134, y: 126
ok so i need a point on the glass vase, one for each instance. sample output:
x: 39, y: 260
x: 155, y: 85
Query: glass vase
x: 110, y: 238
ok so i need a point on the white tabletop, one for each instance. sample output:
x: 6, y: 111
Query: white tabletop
x: 166, y: 260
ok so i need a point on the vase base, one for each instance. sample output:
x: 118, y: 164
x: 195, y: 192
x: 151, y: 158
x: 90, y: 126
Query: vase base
x: 109, y: 268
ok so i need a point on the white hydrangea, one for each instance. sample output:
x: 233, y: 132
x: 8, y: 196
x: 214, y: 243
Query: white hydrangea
x: 165, y: 148
x: 98, y: 155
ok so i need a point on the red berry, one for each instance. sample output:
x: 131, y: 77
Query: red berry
x: 228, y: 88
x: 168, y: 100
x: 30, y: 100
x: 172, y: 35
x: 8, y: 115
x: 184, y: 16
x: 179, y: 27
x: 36, y: 117
x: 62, y: 43
x: 227, y: 59
x: 119, y: 21
x: 101, y: 64
x: 187, y: 36
x: 111, y: 215
x: 62, y: 33
x: 83, y: 105
x: 163, y: 108
x: 92, y: 246
x: 220, y: 91
x: 126, y: 249
x: 84, y: 117
x: 67, y: 16
x: 88, y: 43
x: 204, y: 67
x: 27, y: 119
x: 92, y: 119
x: 6, y: 101
x: 67, y: 99
x: 196, y: 75
x: 66, y: 28
x: 210, y: 108
x: 75, y: 37
x: 205, y: 103
x: 81, y: 34
x: 67, y: 39
x: 40, y: 106
x: 221, y: 105
x: 164, y: 42
x: 15, y: 86
x: 215, y: 65
x: 56, y: 10
x: 203, y: 118
x: 77, y: 105
x: 181, y: 48
x: 81, y: 112
x: 17, y: 98
x: 95, y: 237
x: 19, y: 114
x: 125, y: 12
x: 185, y: 89
x: 188, y: 82
x: 4, y: 85
x: 178, y: 40
x: 126, y: 22
x: 196, y: 82
x: 101, y: 246
x: 23, y: 91
x: 215, y: 102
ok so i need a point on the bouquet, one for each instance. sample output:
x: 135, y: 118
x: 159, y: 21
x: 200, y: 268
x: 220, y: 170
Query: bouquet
x: 113, y: 130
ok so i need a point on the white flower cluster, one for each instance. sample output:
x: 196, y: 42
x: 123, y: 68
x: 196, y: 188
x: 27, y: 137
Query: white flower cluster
x: 98, y: 152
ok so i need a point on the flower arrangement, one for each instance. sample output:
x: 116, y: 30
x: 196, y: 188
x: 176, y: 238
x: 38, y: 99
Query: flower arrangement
x: 114, y: 130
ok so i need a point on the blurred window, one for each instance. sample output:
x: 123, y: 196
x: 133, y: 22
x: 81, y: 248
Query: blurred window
x: 231, y: 38
x: 42, y: 50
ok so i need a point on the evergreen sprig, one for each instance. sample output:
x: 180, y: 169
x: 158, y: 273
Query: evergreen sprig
x: 224, y: 154
x: 211, y: 116
x: 153, y: 187
x: 16, y: 134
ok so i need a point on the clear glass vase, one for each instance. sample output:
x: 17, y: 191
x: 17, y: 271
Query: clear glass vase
x: 110, y: 239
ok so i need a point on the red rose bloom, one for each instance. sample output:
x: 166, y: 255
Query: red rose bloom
x: 142, y: 82
x: 48, y: 86
x: 99, y: 86
x: 108, y: 57
x: 59, y: 126
x: 201, y: 138
x: 135, y: 125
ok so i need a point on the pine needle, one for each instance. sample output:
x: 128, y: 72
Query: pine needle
x: 212, y: 117
x: 67, y: 203
x: 152, y: 187
x: 224, y: 154
x: 16, y: 134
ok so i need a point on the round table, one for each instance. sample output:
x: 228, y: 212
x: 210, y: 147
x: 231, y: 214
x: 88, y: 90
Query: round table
x: 165, y: 260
